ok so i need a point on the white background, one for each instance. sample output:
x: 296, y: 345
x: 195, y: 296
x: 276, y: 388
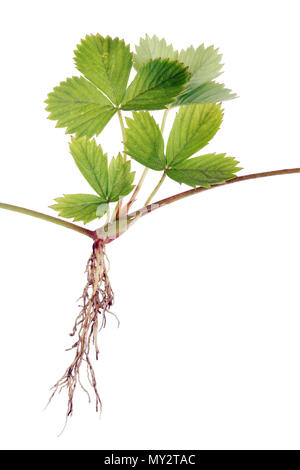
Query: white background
x: 207, y: 290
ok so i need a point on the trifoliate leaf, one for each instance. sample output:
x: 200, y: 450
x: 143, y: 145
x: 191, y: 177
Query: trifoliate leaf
x: 120, y: 179
x: 110, y: 183
x: 205, y: 170
x: 80, y: 207
x: 92, y: 163
x: 204, y: 63
x: 193, y: 127
x: 106, y: 62
x: 155, y: 85
x: 210, y: 92
x: 144, y: 141
x: 80, y: 107
x: 152, y: 48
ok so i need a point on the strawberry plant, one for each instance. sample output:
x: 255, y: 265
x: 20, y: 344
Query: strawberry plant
x: 84, y: 105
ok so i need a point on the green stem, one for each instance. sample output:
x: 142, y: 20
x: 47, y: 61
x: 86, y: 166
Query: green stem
x: 117, y: 208
x: 115, y: 211
x: 108, y: 215
x: 123, y: 132
x: 163, y: 122
x: 162, y: 128
x: 162, y: 179
x: 49, y: 218
x: 137, y: 188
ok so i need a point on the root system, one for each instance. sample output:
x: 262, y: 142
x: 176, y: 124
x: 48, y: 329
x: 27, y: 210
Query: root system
x: 97, y: 299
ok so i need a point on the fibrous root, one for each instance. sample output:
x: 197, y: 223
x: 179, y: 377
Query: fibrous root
x: 97, y: 299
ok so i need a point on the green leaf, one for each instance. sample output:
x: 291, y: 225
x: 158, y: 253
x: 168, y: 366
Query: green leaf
x: 204, y: 63
x: 144, y: 141
x: 92, y: 163
x: 120, y: 179
x: 110, y: 183
x: 102, y: 209
x: 193, y: 127
x: 210, y: 92
x: 155, y: 85
x: 80, y: 207
x: 152, y: 48
x: 205, y: 170
x: 106, y: 62
x: 80, y: 107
